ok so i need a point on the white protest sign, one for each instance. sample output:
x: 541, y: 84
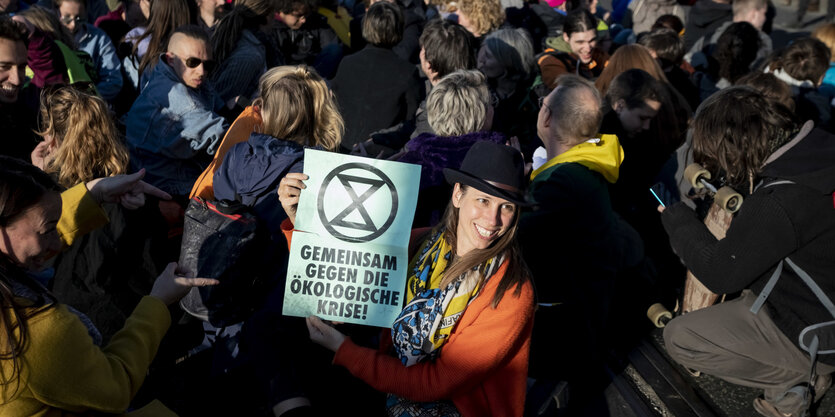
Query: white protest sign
x: 349, y: 263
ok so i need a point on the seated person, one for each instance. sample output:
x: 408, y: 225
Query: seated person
x: 637, y: 109
x: 173, y: 127
x: 575, y: 52
x: 460, y: 112
x: 803, y: 65
x: 668, y: 49
x: 506, y: 59
x: 237, y: 46
x: 375, y: 88
x: 781, y: 229
x: 19, y: 97
x: 297, y: 112
x: 82, y: 376
x: 80, y: 140
x: 750, y: 11
x: 95, y: 43
x: 470, y: 359
x: 445, y: 47
x: 304, y: 37
x: 574, y: 270
x: 730, y: 59
x: 408, y: 48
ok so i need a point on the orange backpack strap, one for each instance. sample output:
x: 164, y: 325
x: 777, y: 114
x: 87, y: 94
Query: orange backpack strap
x: 239, y: 132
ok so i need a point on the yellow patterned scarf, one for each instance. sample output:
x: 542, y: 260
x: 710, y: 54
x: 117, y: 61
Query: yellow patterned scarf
x: 431, y: 312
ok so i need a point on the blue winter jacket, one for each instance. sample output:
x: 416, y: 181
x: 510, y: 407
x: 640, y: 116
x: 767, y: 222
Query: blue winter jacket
x: 251, y: 171
x: 97, y: 44
x: 171, y: 128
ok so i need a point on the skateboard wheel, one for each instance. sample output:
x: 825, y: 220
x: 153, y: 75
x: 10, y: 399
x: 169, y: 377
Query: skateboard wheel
x: 728, y: 199
x: 659, y: 315
x: 693, y: 173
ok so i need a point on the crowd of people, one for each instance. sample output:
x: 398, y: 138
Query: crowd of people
x: 553, y: 206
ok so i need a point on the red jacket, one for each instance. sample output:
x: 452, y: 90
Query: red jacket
x: 482, y: 368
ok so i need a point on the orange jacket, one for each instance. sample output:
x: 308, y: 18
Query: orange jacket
x: 238, y: 132
x: 482, y: 368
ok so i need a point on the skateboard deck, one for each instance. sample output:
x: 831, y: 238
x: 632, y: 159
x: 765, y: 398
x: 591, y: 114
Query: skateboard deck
x: 696, y: 295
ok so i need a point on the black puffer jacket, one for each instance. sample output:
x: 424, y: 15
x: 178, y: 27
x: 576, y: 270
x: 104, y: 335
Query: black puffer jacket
x: 791, y: 220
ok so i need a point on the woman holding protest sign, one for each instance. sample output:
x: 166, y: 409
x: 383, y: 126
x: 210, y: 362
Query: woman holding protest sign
x: 462, y: 340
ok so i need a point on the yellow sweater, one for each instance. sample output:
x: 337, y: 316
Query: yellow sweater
x: 80, y: 213
x: 63, y: 373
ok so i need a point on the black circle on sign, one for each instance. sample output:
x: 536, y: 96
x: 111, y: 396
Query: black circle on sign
x: 320, y: 206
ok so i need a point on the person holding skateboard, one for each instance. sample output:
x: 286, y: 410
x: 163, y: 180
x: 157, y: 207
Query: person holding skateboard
x: 777, y: 252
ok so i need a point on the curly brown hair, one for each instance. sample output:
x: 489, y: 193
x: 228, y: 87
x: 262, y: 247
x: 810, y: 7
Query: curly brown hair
x: 735, y: 144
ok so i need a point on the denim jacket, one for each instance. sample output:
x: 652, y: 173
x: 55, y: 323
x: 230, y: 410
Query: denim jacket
x: 97, y: 44
x: 171, y: 128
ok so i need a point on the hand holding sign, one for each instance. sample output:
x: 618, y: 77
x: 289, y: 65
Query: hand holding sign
x: 289, y: 190
x: 324, y: 335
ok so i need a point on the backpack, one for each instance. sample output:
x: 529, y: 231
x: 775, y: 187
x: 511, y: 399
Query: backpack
x: 226, y: 241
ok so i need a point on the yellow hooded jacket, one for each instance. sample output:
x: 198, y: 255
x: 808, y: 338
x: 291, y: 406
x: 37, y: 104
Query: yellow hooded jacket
x: 602, y: 155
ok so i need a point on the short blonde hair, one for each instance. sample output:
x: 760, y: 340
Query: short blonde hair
x: 297, y: 105
x: 485, y: 15
x: 458, y: 104
x: 87, y: 143
x: 826, y: 34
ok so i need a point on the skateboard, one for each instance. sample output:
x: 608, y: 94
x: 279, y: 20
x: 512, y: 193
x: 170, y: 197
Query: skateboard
x: 726, y: 202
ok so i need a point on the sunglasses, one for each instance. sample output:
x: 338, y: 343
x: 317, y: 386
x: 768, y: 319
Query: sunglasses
x: 192, y: 62
x: 68, y: 19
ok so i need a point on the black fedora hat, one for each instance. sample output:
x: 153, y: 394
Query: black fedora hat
x: 495, y: 169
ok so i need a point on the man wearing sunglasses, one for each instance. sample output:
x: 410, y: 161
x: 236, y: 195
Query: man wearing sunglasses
x: 173, y: 127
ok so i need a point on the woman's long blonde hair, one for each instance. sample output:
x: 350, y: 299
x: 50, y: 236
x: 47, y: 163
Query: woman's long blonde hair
x: 297, y: 105
x: 86, y: 142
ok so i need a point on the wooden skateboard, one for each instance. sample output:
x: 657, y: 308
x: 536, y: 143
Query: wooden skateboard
x: 726, y: 202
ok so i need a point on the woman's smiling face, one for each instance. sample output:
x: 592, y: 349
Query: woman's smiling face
x: 482, y: 218
x: 31, y: 238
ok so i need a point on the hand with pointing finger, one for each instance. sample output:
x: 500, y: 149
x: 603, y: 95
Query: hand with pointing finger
x: 171, y: 285
x: 128, y: 190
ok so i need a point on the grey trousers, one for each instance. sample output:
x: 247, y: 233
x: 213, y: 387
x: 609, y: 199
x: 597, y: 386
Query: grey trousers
x: 730, y: 342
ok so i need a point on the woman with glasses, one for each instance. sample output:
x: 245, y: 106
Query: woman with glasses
x: 96, y: 43
x: 79, y: 65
